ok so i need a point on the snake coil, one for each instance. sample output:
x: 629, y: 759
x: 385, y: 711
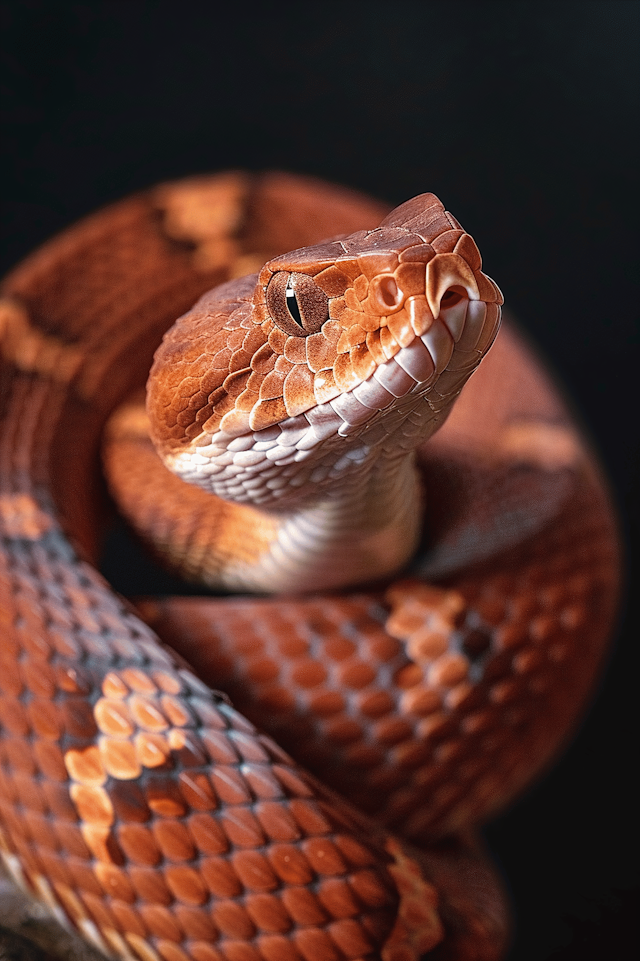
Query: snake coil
x: 148, y: 813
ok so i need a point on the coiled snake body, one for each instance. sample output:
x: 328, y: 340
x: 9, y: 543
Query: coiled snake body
x: 137, y: 803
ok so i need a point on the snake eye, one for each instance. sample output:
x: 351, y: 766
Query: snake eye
x: 296, y: 304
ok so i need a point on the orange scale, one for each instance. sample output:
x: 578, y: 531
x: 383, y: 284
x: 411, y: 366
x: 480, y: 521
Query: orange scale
x: 344, y: 374
x: 410, y: 755
x: 277, y: 339
x: 78, y: 717
x: 186, y: 884
x: 97, y: 909
x: 309, y: 817
x: 164, y: 797
x: 174, y: 840
x: 207, y: 834
x: 324, y: 857
x: 86, y: 765
x: 351, y: 937
x: 45, y: 719
x: 292, y: 782
x: 128, y: 919
x: 374, y: 346
x: 220, y: 878
x: 356, y: 674
x: 326, y: 703
x: 448, y: 670
x: 203, y: 951
x: 138, y: 680
x: 232, y: 920
x: 277, y: 822
x: 401, y: 327
x: 308, y: 674
x: 147, y: 713
x: 242, y: 828
x: 261, y: 781
x: 13, y: 717
x: 316, y: 943
x: 169, y: 951
x: 161, y: 922
x: 338, y: 898
x: 267, y: 412
x: 362, y: 361
x: 229, y: 785
x: 298, y: 390
x: 392, y: 730
x: 113, y: 718
x: 115, y: 883
x: 268, y: 913
x: 388, y: 343
x: 139, y: 845
x: 325, y: 387
x: 290, y: 864
x: 254, y: 871
x: 220, y: 747
x: 195, y: 923
x: 175, y: 710
x: 352, y: 300
x: 303, y: 906
x: 92, y: 803
x: 343, y: 730
x: 295, y: 350
x: 240, y: 951
x: 272, y: 386
x: 291, y: 646
x: 119, y: 759
x: 151, y: 750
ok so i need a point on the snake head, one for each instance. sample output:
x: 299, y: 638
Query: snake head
x: 346, y: 333
x: 339, y: 312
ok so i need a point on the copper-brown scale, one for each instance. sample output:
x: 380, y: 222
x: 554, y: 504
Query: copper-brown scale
x: 133, y: 800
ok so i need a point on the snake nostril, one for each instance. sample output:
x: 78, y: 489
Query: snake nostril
x: 452, y: 296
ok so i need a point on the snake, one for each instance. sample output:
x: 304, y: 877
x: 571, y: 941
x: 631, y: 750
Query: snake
x: 397, y: 631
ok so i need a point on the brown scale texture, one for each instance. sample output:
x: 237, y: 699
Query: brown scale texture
x: 424, y: 720
x: 133, y: 798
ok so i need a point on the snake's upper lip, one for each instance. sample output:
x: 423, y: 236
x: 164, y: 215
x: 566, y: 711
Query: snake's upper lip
x: 450, y: 341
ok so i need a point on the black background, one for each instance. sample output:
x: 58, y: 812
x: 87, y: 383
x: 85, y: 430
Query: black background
x: 521, y: 116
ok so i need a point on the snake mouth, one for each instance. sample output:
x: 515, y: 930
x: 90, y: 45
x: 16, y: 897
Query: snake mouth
x: 454, y: 342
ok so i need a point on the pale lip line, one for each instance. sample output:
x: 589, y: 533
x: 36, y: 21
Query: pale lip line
x: 416, y: 367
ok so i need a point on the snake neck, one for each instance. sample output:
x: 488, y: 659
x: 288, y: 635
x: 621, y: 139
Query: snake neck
x: 360, y: 531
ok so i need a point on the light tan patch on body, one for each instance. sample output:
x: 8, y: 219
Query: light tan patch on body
x: 418, y: 927
x: 206, y: 212
x: 33, y: 351
x: 548, y: 446
x: 22, y: 517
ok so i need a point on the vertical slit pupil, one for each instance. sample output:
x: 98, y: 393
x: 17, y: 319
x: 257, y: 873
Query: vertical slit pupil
x: 292, y: 306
